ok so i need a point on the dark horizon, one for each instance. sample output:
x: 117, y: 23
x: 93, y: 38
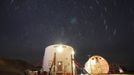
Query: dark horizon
x: 102, y: 27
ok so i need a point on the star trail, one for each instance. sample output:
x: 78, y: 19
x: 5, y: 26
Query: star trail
x: 103, y: 27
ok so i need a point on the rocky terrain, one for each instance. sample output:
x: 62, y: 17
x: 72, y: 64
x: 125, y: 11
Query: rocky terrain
x: 13, y: 66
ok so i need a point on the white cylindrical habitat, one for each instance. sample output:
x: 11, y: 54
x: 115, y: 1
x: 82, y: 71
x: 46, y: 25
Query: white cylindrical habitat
x: 58, y: 60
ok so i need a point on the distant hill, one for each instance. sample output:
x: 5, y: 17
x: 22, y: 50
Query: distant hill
x: 13, y: 66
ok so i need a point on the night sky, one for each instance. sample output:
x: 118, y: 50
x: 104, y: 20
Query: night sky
x: 102, y: 27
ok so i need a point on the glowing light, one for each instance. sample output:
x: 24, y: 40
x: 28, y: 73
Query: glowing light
x: 60, y: 49
x: 73, y: 52
x: 59, y: 63
x: 121, y: 70
x: 73, y: 64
